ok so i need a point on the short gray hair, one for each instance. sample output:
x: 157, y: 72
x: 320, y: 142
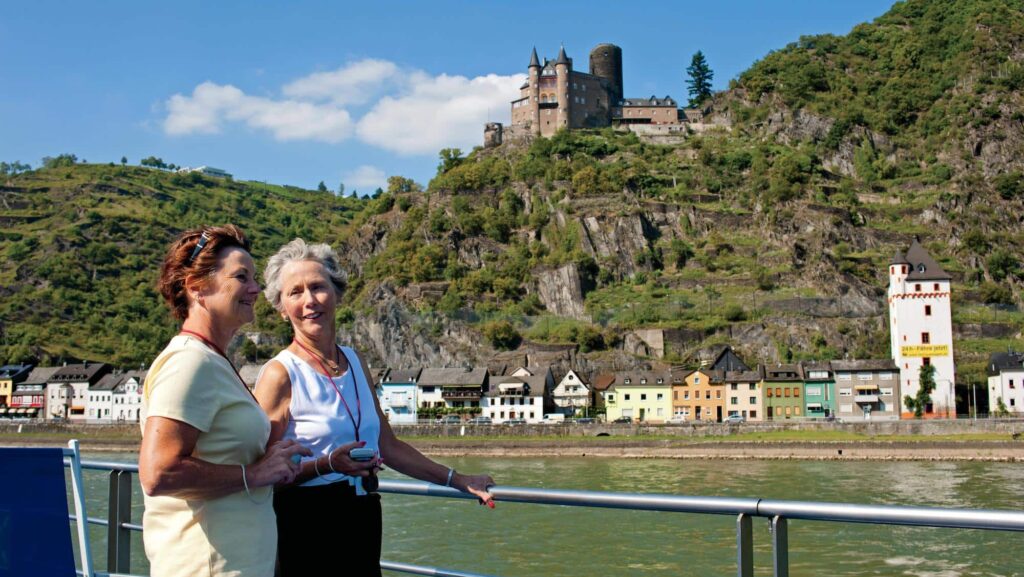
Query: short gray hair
x: 298, y: 251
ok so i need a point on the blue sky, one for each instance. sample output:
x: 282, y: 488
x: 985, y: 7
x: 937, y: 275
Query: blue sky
x: 299, y: 92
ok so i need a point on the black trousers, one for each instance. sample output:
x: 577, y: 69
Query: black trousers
x: 329, y: 531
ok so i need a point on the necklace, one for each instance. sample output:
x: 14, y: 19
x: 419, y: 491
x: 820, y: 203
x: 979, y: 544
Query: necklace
x: 333, y: 365
x: 217, y: 350
x: 356, y: 423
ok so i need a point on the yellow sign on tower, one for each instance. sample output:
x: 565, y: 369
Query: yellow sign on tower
x: 925, y: 350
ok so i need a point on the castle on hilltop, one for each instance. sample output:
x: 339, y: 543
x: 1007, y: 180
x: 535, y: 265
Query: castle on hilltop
x: 555, y: 96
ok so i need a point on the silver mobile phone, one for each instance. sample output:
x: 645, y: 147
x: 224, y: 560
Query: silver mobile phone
x: 362, y: 454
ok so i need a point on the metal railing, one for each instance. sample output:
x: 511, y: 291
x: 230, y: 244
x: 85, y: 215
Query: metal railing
x: 778, y: 512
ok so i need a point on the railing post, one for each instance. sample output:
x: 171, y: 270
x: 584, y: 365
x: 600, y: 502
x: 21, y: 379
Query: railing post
x: 780, y: 547
x: 120, y: 511
x: 744, y: 546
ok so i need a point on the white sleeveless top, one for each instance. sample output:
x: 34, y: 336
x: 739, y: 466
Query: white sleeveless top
x: 318, y: 416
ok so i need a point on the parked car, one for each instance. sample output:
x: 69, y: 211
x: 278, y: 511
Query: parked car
x: 554, y: 419
x: 677, y: 420
x: 515, y: 422
x: 480, y: 421
x: 626, y: 420
x: 585, y: 421
x: 450, y: 420
x: 735, y: 419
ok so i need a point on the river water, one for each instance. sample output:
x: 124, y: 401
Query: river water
x: 519, y: 540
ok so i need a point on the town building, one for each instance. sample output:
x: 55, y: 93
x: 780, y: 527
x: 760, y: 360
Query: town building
x: 643, y: 396
x: 819, y: 390
x: 783, y: 392
x: 516, y: 397
x: 1006, y: 383
x: 599, y: 385
x: 453, y: 388
x: 397, y: 394
x: 100, y: 398
x: 127, y: 406
x: 743, y: 394
x: 921, y: 328
x: 67, y: 391
x: 699, y: 396
x: 29, y: 398
x: 11, y: 375
x: 572, y: 395
x: 867, y: 390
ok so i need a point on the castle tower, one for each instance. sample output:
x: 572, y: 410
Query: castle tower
x: 563, y: 66
x: 606, y: 63
x: 534, y: 71
x: 921, y: 328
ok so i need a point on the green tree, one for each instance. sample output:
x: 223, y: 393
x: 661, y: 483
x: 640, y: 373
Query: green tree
x: 699, y: 84
x: 321, y: 187
x: 1001, y: 410
x: 124, y: 160
x: 450, y: 158
x: 341, y: 189
x: 920, y: 401
x: 61, y: 160
x: 502, y: 335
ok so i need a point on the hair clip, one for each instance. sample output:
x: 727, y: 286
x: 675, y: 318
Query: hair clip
x: 203, y: 239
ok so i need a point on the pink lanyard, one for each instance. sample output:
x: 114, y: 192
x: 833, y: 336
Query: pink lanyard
x: 359, y: 406
x: 217, y: 350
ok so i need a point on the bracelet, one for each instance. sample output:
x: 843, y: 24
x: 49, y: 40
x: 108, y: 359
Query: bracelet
x: 330, y: 462
x: 316, y: 467
x: 248, y: 494
x: 451, y: 473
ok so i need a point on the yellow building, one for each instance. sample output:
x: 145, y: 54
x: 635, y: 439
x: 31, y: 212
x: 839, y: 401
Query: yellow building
x: 642, y: 396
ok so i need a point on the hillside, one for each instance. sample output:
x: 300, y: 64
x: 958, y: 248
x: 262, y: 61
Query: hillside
x: 596, y: 249
x: 82, y: 246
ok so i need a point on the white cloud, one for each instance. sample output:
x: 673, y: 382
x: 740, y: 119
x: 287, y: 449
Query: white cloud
x: 366, y: 178
x: 419, y: 113
x: 438, y: 112
x: 211, y: 104
x: 356, y: 83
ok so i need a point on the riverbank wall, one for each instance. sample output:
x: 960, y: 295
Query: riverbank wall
x: 930, y: 427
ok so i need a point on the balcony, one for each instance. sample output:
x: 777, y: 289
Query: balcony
x: 461, y: 394
x: 865, y: 398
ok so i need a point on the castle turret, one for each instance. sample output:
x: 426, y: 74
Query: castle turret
x: 606, y: 63
x: 563, y: 67
x: 534, y: 71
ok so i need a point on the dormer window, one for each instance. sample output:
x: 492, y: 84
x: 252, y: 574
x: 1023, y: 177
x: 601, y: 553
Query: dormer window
x: 920, y: 267
x: 643, y: 381
x: 626, y: 381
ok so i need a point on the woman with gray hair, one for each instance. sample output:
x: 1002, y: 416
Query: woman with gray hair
x: 320, y: 395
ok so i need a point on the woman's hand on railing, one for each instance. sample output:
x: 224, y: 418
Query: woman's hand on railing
x: 277, y: 467
x: 478, y: 485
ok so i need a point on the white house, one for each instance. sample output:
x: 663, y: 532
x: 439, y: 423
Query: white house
x: 921, y: 327
x: 397, y: 395
x: 100, y: 401
x: 516, y: 397
x: 1006, y: 382
x: 67, y: 391
x: 128, y: 397
x: 572, y: 395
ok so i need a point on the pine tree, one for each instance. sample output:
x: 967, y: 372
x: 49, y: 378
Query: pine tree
x: 321, y: 187
x: 699, y: 84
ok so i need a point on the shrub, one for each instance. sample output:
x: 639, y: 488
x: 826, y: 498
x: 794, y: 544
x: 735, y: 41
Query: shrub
x: 502, y: 335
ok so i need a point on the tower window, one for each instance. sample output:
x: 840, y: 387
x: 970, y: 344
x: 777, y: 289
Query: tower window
x: 926, y: 361
x: 904, y: 268
x: 936, y: 287
x: 927, y: 310
x: 917, y: 287
x: 925, y: 338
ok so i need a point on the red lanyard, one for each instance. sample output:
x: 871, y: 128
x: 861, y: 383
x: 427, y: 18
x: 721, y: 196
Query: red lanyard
x: 216, y: 349
x: 359, y: 405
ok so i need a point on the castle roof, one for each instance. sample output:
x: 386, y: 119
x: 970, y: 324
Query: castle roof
x: 923, y: 266
x: 652, y: 101
x: 534, y: 61
x: 562, y: 58
x: 899, y: 258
